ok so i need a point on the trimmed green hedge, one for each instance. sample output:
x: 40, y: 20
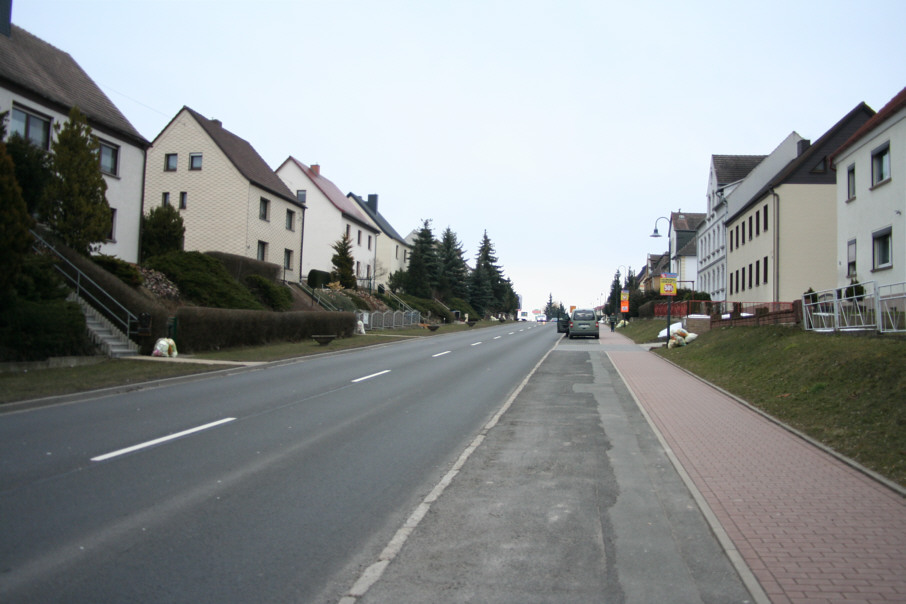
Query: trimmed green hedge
x: 199, y: 329
x: 35, y: 331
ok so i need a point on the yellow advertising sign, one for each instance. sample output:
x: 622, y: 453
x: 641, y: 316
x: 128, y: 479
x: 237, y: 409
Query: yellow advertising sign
x: 668, y: 284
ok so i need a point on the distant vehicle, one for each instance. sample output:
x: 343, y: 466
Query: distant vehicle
x: 541, y: 318
x: 583, y: 324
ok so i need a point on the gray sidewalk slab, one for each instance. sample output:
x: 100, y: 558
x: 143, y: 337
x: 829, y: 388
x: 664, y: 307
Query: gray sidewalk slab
x: 811, y: 527
x: 568, y: 496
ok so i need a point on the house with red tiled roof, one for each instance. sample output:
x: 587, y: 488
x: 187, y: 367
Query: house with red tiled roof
x: 871, y: 200
x: 39, y: 85
x: 329, y: 215
x: 230, y: 200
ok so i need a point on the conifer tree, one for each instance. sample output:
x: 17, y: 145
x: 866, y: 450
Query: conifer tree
x: 78, y: 210
x: 33, y: 172
x: 15, y: 239
x: 422, y: 274
x: 343, y: 263
x: 453, y: 280
x: 163, y: 231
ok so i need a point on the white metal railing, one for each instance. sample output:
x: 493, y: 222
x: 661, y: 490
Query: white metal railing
x: 892, y: 307
x: 859, y: 307
x: 390, y: 319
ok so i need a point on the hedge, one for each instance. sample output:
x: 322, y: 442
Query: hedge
x: 199, y: 329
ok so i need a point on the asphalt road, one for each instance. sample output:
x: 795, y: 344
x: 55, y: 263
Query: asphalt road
x: 277, y: 484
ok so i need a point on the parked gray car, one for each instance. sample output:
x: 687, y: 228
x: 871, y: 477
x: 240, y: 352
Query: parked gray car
x: 583, y: 323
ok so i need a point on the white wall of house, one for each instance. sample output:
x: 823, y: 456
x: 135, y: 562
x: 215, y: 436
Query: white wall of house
x: 325, y: 224
x: 124, y: 188
x: 392, y: 255
x: 875, y: 210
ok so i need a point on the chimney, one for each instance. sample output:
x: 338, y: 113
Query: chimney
x: 217, y: 122
x: 316, y: 169
x: 6, y: 12
x: 802, y: 146
x: 372, y: 202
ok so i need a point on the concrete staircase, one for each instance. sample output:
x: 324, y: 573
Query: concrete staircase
x: 108, y: 338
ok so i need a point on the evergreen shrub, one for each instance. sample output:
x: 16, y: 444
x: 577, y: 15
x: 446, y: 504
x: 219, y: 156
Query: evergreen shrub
x: 202, y: 329
x: 125, y: 272
x: 274, y: 296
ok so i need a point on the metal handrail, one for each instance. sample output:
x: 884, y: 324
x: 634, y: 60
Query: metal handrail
x: 100, y: 299
x: 323, y: 302
x: 399, y: 301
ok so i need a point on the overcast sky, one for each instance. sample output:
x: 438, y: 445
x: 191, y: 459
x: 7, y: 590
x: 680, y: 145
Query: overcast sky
x: 563, y: 129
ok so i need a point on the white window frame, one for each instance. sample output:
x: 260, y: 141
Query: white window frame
x: 851, y: 182
x: 31, y: 119
x: 882, y: 249
x: 851, y: 258
x: 109, y: 150
x: 880, y: 165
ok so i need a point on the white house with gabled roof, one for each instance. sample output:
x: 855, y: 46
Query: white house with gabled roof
x: 871, y: 199
x: 39, y: 85
x: 330, y: 215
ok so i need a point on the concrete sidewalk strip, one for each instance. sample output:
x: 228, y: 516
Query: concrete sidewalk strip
x: 810, y: 527
x: 569, y: 498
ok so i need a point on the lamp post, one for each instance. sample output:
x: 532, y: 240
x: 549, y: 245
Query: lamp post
x: 669, y: 262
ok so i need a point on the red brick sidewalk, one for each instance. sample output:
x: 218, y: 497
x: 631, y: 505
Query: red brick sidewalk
x: 809, y: 526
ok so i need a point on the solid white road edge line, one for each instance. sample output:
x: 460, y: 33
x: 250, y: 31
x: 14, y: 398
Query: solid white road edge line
x: 374, y: 572
x: 157, y: 441
x: 368, y: 377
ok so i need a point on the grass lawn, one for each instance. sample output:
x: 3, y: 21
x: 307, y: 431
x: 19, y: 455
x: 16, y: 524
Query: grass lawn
x: 19, y: 386
x: 846, y: 391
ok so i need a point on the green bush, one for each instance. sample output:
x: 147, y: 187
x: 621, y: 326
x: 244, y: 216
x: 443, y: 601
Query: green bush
x: 203, y: 280
x: 318, y: 278
x: 275, y: 297
x: 241, y: 267
x: 125, y: 272
x: 201, y: 329
x: 163, y: 231
x: 37, y: 330
x: 436, y: 310
x: 463, y: 307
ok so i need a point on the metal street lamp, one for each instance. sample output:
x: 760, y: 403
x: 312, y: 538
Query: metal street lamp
x: 669, y: 262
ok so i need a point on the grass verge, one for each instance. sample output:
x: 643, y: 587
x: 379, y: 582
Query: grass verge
x: 19, y: 386
x: 845, y: 391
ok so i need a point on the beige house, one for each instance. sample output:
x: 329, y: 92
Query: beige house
x: 781, y: 240
x: 228, y: 197
x: 329, y: 216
